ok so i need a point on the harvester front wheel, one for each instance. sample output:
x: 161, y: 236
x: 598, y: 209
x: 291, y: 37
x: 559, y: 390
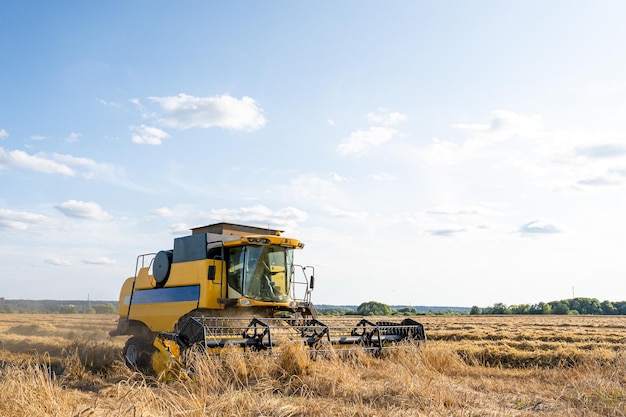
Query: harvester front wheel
x: 138, y: 353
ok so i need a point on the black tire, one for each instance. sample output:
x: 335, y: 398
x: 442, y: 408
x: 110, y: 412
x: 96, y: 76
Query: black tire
x: 138, y: 354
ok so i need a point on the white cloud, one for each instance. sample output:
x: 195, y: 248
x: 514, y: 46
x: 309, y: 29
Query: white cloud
x: 606, y: 150
x: 384, y: 177
x: 21, y: 159
x: 540, y: 227
x: 487, y: 209
x: 148, y: 135
x: 20, y: 220
x: 338, y: 178
x: 38, y: 137
x: 162, y: 212
x: 179, y: 229
x: 386, y: 117
x: 446, y: 231
x: 110, y: 104
x: 74, y: 160
x: 91, y: 169
x: 288, y: 217
x: 361, y: 141
x: 451, y: 221
x: 3, y: 134
x: 73, y: 137
x: 102, y: 260
x: 512, y: 144
x: 83, y: 210
x: 57, y: 262
x: 504, y: 120
x: 346, y: 214
x: 184, y: 112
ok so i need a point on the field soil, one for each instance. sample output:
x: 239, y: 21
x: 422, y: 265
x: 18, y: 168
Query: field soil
x: 67, y: 365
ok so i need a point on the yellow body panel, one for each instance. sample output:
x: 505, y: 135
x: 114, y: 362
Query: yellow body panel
x: 187, y: 288
x: 124, y: 300
x: 161, y: 317
x: 212, y: 290
x: 187, y: 273
x: 144, y: 281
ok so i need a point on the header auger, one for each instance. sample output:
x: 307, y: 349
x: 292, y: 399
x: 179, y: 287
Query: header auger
x: 234, y: 285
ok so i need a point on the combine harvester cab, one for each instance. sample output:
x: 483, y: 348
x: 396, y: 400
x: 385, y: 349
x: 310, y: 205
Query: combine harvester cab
x: 234, y: 285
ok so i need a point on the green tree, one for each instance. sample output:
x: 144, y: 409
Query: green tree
x: 105, y: 308
x: 373, y: 308
x: 608, y: 308
x: 408, y: 311
x: 520, y: 309
x: 560, y: 307
x: 474, y: 311
x: 68, y: 309
x: 541, y: 308
x: 500, y: 308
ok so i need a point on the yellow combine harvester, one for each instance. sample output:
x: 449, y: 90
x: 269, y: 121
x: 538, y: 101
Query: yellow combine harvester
x: 228, y: 284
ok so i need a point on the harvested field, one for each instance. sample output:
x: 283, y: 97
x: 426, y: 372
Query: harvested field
x: 67, y: 365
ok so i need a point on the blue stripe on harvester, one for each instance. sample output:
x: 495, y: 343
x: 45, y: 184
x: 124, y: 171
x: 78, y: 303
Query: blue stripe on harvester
x: 167, y: 295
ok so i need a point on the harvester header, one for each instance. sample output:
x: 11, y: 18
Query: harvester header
x: 233, y: 285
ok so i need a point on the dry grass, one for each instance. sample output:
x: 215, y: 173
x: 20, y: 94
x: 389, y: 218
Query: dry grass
x: 471, y: 366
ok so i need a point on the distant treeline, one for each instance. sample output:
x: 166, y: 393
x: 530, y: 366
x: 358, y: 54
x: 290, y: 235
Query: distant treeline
x: 375, y: 308
x: 57, y: 306
x: 578, y: 305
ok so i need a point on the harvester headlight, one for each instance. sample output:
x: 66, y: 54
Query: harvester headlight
x: 293, y: 303
x: 244, y: 302
x: 259, y: 240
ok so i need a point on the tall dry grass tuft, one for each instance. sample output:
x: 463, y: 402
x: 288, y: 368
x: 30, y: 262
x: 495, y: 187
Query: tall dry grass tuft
x: 294, y: 360
x: 94, y: 356
x: 29, y: 388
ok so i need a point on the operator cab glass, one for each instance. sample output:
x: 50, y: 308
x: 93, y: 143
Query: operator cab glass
x: 260, y: 272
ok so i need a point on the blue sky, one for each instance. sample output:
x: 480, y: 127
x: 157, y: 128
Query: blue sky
x: 427, y: 153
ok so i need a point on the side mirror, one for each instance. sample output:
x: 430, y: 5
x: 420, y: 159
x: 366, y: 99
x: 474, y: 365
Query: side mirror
x: 211, y: 273
x: 312, y: 282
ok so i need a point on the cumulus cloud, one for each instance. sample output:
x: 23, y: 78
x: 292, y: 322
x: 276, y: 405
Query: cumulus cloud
x: 451, y: 221
x: 162, y: 212
x: 102, y: 260
x: 83, y: 210
x: 609, y: 150
x: 445, y: 232
x: 599, y: 182
x: 3, y: 134
x: 345, y: 214
x: 361, y: 141
x: 504, y: 120
x: 73, y: 137
x: 179, y: 229
x: 20, y: 220
x: 148, y: 135
x: 567, y: 160
x: 384, y: 177
x: 21, y: 159
x: 338, y: 178
x: 288, y: 217
x: 94, y: 170
x: 386, y: 117
x: 539, y: 227
x: 482, y: 209
x: 185, y: 112
x: 57, y: 262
